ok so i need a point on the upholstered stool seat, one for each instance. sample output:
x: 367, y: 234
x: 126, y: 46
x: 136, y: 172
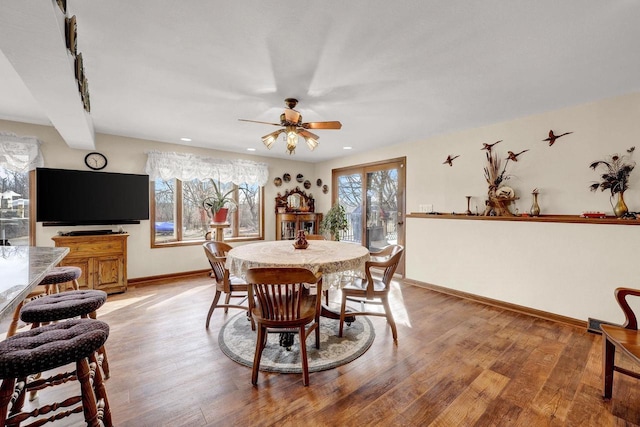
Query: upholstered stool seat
x: 49, y: 285
x: 49, y: 347
x: 65, y: 274
x: 66, y: 305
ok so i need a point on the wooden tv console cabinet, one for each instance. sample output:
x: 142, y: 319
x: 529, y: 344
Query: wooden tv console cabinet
x: 102, y: 258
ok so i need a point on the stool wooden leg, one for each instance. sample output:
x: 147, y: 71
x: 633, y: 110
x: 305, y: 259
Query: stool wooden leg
x: 88, y: 395
x: 6, y: 392
x: 103, y: 361
x: 13, y: 326
x: 104, y: 411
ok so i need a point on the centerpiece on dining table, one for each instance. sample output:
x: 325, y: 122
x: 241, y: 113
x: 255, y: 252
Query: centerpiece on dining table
x: 301, y: 241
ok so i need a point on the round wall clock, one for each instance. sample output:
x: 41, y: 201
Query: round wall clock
x: 95, y: 161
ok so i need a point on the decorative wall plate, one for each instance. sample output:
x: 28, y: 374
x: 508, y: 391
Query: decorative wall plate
x: 319, y: 182
x: 325, y: 189
x: 299, y: 177
x: 277, y: 181
x: 286, y: 177
x: 307, y: 184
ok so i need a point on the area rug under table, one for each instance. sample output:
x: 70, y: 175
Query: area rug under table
x: 238, y: 342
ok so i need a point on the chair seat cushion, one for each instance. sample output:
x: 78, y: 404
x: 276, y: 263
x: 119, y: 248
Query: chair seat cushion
x: 47, y: 347
x: 235, y: 280
x: 61, y: 275
x: 361, y: 285
x: 64, y: 305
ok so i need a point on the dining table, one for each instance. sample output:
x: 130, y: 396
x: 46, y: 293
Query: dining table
x: 339, y: 262
x: 22, y: 268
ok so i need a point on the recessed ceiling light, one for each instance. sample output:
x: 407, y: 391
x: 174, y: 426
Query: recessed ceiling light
x: 251, y: 149
x: 185, y: 139
x: 346, y: 148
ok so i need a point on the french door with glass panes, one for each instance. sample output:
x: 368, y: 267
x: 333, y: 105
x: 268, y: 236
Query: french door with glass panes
x: 373, y: 196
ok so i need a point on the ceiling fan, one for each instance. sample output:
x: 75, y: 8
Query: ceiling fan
x: 291, y: 120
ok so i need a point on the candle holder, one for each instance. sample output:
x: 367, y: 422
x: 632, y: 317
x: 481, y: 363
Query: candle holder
x: 468, y: 212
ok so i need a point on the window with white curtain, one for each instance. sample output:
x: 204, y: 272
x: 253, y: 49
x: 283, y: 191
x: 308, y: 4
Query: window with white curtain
x: 180, y: 183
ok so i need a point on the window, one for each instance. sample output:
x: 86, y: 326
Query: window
x: 179, y: 217
x: 14, y: 207
x: 19, y: 156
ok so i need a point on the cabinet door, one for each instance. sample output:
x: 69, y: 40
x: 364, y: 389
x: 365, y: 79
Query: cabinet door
x: 86, y: 265
x: 110, y: 274
x: 309, y: 227
x: 287, y: 226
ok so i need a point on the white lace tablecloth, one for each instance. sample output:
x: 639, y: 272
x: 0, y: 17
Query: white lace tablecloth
x: 335, y: 260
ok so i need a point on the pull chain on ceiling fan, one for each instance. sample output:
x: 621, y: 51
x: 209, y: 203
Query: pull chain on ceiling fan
x: 291, y: 120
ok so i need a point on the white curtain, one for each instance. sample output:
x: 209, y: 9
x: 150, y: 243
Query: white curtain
x: 19, y: 153
x: 187, y: 166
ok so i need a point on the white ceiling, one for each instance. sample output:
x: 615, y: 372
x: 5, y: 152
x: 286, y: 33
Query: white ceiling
x: 390, y: 71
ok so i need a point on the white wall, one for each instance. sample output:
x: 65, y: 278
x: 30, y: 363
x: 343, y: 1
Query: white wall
x: 566, y: 269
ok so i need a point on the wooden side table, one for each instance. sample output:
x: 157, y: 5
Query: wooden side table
x: 219, y: 230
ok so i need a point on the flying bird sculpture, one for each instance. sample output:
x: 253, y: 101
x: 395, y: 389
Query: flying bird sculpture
x: 513, y: 156
x: 488, y: 147
x: 449, y: 160
x: 552, y: 137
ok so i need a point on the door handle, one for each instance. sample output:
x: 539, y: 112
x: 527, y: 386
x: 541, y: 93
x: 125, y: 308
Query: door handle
x: 400, y: 222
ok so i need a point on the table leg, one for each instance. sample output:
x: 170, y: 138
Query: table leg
x: 286, y: 339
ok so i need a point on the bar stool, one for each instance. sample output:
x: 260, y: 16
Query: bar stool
x: 59, y: 275
x: 49, y: 347
x: 66, y: 305
x: 49, y: 285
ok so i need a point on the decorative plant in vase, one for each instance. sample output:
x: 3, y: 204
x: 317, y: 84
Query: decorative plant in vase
x: 334, y: 221
x: 219, y: 203
x: 499, y: 196
x: 617, y: 169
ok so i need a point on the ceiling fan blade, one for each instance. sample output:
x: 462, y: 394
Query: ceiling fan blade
x: 307, y: 134
x: 322, y: 125
x: 264, y: 123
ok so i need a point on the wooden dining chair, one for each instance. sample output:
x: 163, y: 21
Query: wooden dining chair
x: 284, y: 303
x: 625, y: 338
x: 372, y: 290
x: 232, y: 286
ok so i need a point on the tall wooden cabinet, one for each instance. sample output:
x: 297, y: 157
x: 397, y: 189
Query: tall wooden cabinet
x: 288, y: 224
x: 102, y: 258
x: 295, y: 211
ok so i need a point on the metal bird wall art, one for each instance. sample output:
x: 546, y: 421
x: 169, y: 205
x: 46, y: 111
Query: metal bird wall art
x: 552, y: 137
x: 449, y: 160
x: 513, y: 156
x: 488, y: 147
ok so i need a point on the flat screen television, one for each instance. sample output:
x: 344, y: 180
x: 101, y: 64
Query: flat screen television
x: 72, y: 197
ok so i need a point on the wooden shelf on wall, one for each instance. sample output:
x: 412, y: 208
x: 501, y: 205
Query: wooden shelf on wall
x: 566, y: 219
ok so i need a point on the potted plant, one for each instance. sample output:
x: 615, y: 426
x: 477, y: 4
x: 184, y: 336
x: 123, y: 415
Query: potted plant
x: 615, y: 179
x: 334, y: 221
x: 219, y: 203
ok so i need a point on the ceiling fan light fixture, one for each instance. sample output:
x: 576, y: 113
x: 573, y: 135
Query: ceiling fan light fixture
x: 291, y: 121
x: 312, y: 142
x: 268, y: 140
x: 292, y: 139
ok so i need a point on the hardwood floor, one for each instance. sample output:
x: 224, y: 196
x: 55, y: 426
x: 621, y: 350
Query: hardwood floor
x: 457, y: 363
